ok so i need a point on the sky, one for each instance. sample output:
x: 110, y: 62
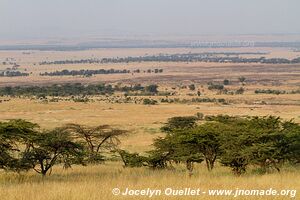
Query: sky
x: 83, y: 18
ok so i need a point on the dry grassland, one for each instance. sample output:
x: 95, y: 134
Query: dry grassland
x: 143, y: 122
x: 97, y: 182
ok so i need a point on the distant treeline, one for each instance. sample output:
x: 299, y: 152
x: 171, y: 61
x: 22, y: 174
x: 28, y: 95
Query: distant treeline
x: 190, y: 57
x: 12, y: 74
x: 74, y: 90
x: 87, y: 73
x: 269, y: 91
x: 194, y: 100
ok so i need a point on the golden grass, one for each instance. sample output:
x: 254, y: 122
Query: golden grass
x: 142, y: 121
x: 96, y: 182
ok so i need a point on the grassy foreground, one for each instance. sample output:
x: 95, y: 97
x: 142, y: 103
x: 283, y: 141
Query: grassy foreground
x: 97, y: 182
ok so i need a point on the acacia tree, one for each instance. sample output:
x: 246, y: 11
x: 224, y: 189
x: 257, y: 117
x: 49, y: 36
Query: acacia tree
x: 276, y: 142
x: 167, y: 149
x: 266, y: 142
x: 234, y: 152
x: 179, y: 123
x: 292, y: 132
x: 204, y: 140
x: 95, y: 139
x: 50, y: 148
x: 6, y: 151
x: 190, y: 143
x: 15, y: 139
x: 171, y: 148
x: 237, y: 142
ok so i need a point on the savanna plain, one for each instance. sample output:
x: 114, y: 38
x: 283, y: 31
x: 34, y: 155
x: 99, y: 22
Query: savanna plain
x: 193, y: 88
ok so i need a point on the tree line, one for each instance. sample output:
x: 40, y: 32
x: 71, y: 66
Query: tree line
x: 88, y: 73
x: 75, y: 89
x: 270, y: 91
x: 266, y: 143
x: 188, y: 57
x: 13, y: 74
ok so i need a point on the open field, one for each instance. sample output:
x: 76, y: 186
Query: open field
x: 144, y: 121
x: 200, y: 72
x: 157, y: 100
x: 174, y: 73
x: 97, y: 182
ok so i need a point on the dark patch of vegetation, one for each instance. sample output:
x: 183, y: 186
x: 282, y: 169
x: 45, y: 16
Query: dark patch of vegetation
x: 226, y: 82
x: 240, y: 91
x: 74, y: 90
x: 190, y: 57
x: 213, y: 86
x: 192, y: 87
x: 151, y: 89
x: 263, y: 142
x: 13, y: 74
x: 84, y: 72
x: 269, y: 91
x: 149, y: 102
x: 88, y: 73
x: 193, y: 100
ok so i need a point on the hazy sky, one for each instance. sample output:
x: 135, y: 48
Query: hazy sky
x: 63, y: 18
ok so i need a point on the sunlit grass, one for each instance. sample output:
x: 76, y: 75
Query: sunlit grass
x: 96, y: 182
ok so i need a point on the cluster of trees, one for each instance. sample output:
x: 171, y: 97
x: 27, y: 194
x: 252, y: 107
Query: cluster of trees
x: 269, y: 91
x: 10, y: 61
x: 148, y: 71
x: 193, y: 100
x: 280, y: 61
x: 75, y: 89
x: 149, y: 90
x: 235, y: 142
x: 83, y: 72
x: 13, y: 74
x: 215, y: 87
x: 58, y: 90
x: 189, y: 57
x: 23, y: 146
x: 89, y: 73
x: 65, y: 62
x: 149, y: 101
x: 221, y: 87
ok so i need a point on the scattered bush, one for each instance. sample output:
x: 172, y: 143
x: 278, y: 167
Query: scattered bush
x: 149, y: 102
